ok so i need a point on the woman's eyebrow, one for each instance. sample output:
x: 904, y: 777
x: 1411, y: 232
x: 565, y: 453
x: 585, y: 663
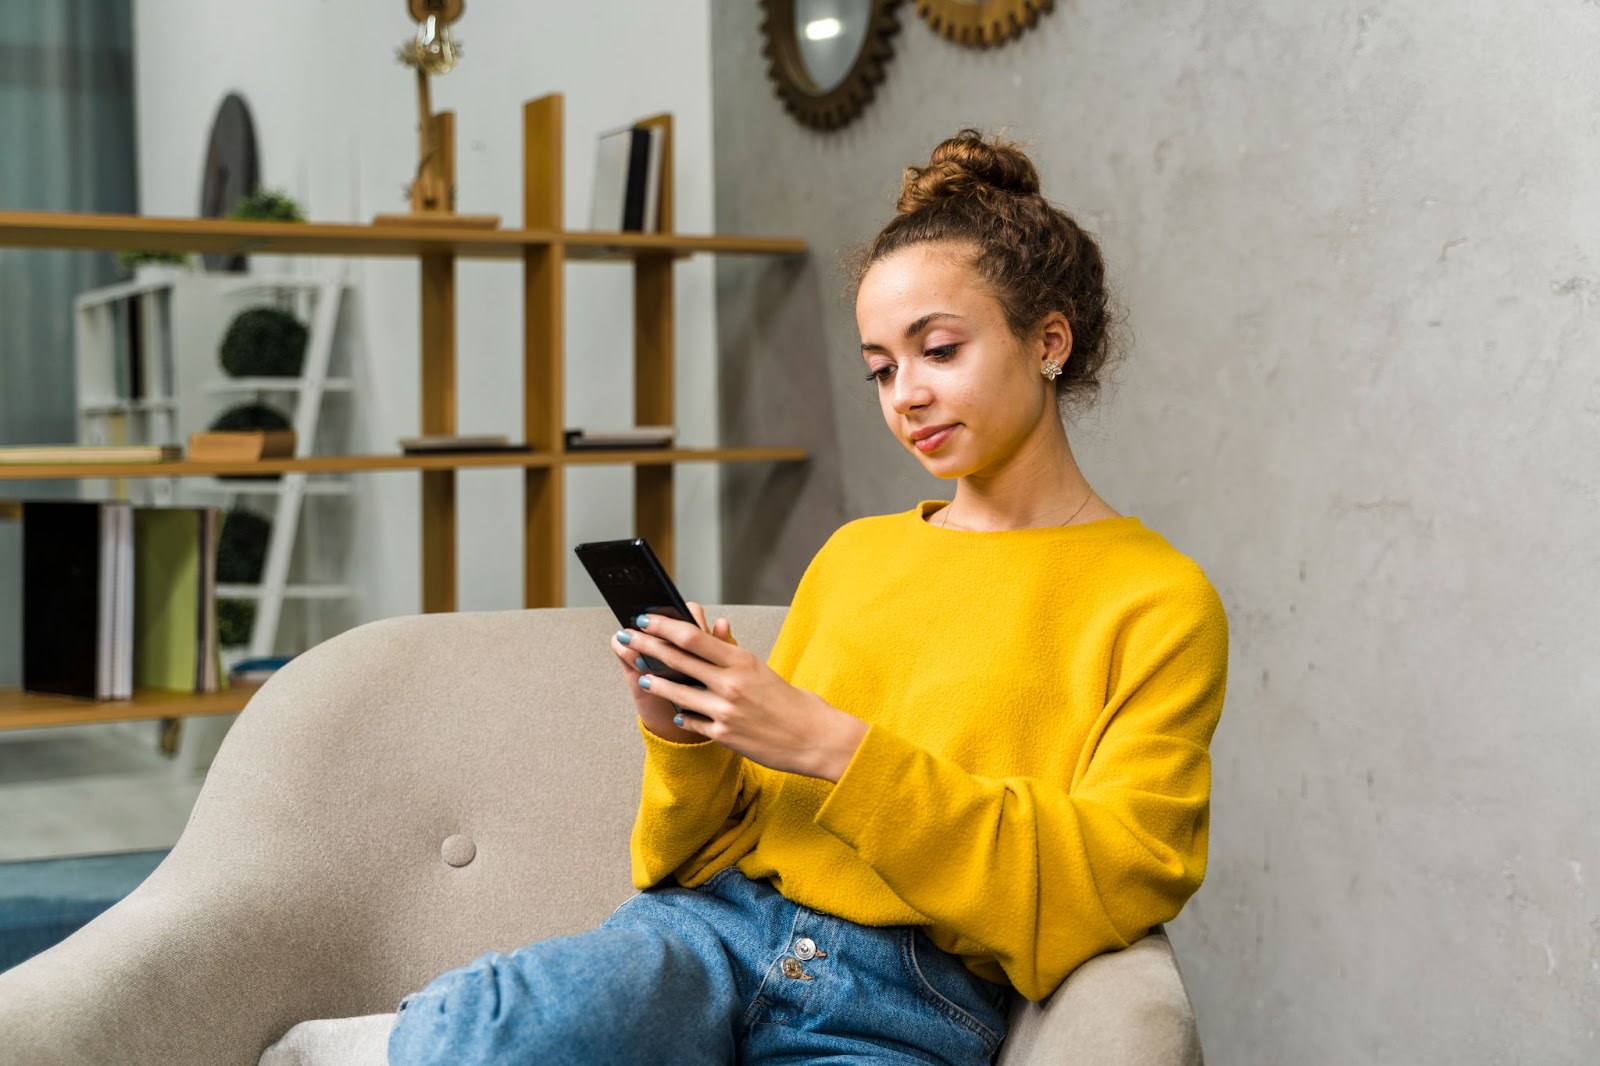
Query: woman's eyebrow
x: 912, y: 330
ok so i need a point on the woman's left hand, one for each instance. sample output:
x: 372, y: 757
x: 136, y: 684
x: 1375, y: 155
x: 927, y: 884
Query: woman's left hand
x: 745, y: 705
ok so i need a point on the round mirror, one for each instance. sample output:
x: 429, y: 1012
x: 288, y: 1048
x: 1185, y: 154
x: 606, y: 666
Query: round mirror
x: 830, y: 34
x: 826, y: 56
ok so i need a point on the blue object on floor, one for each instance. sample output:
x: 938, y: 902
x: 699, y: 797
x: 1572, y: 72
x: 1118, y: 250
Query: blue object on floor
x: 44, y: 901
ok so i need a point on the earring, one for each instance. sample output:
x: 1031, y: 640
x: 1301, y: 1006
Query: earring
x: 1051, y: 369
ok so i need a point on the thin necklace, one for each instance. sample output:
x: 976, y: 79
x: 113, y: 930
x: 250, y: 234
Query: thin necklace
x: 944, y: 515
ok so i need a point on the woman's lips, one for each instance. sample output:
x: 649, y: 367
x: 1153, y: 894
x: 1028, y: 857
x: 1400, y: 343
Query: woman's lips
x: 928, y: 444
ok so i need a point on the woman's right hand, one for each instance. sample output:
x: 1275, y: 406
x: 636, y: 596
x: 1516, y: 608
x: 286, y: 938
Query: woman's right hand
x: 655, y: 712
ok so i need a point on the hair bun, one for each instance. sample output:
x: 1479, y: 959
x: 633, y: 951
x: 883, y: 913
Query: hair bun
x: 966, y: 165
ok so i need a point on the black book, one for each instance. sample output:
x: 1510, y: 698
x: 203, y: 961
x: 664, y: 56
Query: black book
x: 74, y: 567
x: 638, y: 181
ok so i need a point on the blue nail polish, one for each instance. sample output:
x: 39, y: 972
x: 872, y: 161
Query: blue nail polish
x: 644, y: 682
x: 624, y: 636
x: 640, y: 663
x: 642, y: 621
x: 677, y: 720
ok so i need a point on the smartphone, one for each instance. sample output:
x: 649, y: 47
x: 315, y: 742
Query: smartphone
x: 634, y: 582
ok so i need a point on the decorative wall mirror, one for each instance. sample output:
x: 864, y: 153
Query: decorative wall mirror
x: 825, y: 57
x: 982, y: 23
x: 231, y: 171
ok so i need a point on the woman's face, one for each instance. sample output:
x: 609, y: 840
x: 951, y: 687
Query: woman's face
x: 941, y: 354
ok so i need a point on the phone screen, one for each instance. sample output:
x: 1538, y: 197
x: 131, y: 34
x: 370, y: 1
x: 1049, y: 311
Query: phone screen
x: 633, y: 582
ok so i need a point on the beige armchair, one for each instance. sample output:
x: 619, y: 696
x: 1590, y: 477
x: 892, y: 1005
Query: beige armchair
x: 394, y: 803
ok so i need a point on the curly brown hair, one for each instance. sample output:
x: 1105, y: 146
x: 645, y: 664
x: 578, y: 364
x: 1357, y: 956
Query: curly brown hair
x: 1034, y: 256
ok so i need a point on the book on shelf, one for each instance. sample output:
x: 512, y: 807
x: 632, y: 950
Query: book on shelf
x: 578, y: 438
x: 240, y: 445
x: 443, y: 443
x: 117, y: 597
x: 627, y: 180
x: 175, y: 645
x: 77, y: 601
x: 90, y: 453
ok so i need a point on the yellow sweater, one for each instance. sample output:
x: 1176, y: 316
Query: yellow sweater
x: 1033, y: 788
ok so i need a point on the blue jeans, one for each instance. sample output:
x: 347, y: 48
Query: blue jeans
x: 731, y: 972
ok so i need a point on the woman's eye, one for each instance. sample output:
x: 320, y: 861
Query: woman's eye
x: 879, y: 374
x: 942, y: 352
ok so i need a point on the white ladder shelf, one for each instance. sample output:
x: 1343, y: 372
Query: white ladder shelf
x: 291, y: 489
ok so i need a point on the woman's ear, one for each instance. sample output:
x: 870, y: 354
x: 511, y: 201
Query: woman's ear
x: 1055, y: 338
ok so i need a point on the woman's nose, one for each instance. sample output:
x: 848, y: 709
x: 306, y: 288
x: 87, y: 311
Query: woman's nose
x: 909, y: 394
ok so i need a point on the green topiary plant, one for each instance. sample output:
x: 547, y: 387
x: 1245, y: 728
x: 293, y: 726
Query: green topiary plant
x: 128, y: 261
x: 251, y: 416
x: 264, y: 342
x: 242, y: 547
x: 268, y: 205
x: 235, y: 620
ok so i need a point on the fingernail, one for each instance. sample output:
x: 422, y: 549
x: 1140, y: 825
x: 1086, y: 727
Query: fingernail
x: 642, y: 621
x: 644, y: 682
x: 640, y: 663
x: 677, y: 720
x: 624, y: 636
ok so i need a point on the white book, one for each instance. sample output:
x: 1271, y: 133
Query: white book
x: 610, y: 179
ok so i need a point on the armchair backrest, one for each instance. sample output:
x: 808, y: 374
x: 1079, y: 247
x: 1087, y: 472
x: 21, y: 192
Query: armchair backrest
x: 435, y: 786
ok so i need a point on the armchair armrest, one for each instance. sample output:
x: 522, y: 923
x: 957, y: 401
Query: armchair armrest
x: 1122, y: 1007
x: 193, y: 966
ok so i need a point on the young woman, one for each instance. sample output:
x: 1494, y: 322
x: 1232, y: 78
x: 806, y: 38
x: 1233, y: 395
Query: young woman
x: 977, y: 755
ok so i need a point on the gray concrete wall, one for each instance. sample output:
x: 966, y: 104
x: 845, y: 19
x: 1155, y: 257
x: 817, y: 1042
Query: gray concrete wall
x: 1358, y: 243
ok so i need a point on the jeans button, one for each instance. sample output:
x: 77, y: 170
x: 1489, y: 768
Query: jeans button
x: 792, y: 969
x: 805, y: 948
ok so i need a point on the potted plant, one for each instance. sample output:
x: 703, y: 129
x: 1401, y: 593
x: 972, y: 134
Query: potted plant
x: 268, y: 205
x: 151, y: 265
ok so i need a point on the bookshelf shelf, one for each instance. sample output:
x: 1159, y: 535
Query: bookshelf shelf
x: 53, y: 229
x: 28, y: 710
x: 337, y: 464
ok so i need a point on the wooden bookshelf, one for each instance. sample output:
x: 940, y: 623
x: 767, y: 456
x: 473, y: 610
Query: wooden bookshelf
x: 29, y: 710
x: 544, y: 249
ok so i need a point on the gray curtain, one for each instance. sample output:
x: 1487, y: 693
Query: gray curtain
x: 66, y: 144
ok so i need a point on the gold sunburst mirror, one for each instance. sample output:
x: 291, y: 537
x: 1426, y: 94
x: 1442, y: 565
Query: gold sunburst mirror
x: 982, y: 23
x: 826, y: 57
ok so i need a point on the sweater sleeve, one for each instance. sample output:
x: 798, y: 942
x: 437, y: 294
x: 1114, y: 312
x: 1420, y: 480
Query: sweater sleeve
x: 1046, y: 874
x: 692, y: 796
x: 697, y: 802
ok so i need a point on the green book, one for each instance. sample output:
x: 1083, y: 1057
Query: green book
x: 166, y: 597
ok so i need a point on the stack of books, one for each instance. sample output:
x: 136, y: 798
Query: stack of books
x: 627, y: 180
x: 117, y: 597
x: 90, y: 453
x: 444, y: 443
x: 581, y: 438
